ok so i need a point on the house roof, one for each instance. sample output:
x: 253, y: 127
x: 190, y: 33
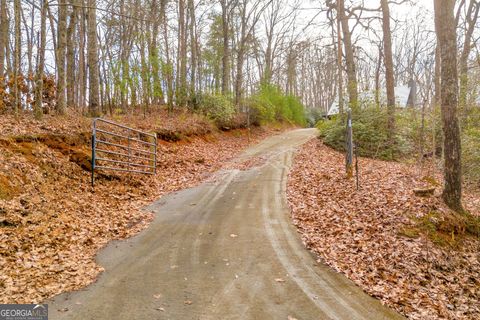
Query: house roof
x: 401, y: 97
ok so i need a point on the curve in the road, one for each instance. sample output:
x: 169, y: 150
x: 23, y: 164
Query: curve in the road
x: 223, y: 250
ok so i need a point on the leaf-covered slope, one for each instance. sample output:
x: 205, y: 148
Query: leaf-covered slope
x: 52, y: 222
x: 381, y: 236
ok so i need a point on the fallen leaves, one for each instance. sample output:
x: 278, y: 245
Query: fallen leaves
x: 251, y: 162
x: 359, y: 233
x: 53, y: 226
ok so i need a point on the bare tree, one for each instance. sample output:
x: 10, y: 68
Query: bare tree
x: 82, y: 64
x: 349, y: 57
x: 387, y: 51
x: 17, y: 55
x: 182, y: 55
x: 61, y: 55
x: 30, y: 36
x: 193, y: 47
x: 38, y: 108
x: 447, y: 40
x: 339, y: 60
x: 250, y: 14
x: 93, y: 59
x: 438, y: 89
x: 154, y: 56
x: 377, y: 75
x: 226, y: 7
x: 168, y: 72
x: 3, y: 35
x: 71, y: 32
x: 471, y: 21
x: 279, y: 19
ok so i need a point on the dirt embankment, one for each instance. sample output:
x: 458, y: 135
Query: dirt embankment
x: 52, y: 222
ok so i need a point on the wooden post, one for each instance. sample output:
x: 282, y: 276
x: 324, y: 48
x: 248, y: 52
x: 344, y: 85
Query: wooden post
x: 94, y: 141
x: 349, y: 146
x: 154, y: 150
x: 355, y: 148
x: 248, y: 123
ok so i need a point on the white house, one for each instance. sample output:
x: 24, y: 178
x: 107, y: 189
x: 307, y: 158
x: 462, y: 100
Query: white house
x: 402, y: 94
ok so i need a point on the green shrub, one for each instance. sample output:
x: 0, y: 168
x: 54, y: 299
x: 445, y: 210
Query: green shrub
x: 411, y: 139
x: 313, y: 116
x: 369, y: 127
x: 217, y: 107
x: 269, y: 104
x: 297, y: 111
x: 262, y: 109
x: 370, y: 134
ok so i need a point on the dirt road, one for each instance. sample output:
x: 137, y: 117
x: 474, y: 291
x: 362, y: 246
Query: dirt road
x: 223, y: 250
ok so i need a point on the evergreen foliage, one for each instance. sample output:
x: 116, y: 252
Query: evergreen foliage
x: 270, y: 104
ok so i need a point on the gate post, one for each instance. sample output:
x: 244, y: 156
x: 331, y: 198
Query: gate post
x: 94, y: 141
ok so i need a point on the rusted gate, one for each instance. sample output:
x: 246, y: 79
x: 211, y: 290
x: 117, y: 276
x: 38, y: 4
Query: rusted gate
x: 121, y: 148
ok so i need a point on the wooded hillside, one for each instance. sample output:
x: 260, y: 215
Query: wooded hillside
x: 208, y: 78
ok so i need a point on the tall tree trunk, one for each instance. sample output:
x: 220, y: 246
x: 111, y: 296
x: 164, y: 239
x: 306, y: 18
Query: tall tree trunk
x: 182, y: 53
x: 471, y: 18
x: 377, y: 76
x: 241, y: 55
x: 17, y: 56
x: 349, y: 57
x: 193, y: 49
x: 387, y: 48
x: 239, y: 76
x: 167, y: 68
x: 291, y: 70
x: 104, y: 79
x: 51, y: 20
x: 339, y: 60
x: 93, y: 60
x: 3, y: 35
x: 62, y: 43
x: 125, y: 70
x: 267, y: 73
x: 71, y: 55
x: 144, y: 75
x: 30, y: 35
x: 226, y: 48
x: 437, y: 81
x: 40, y: 63
x: 155, y: 60
x: 82, y: 72
x: 447, y: 40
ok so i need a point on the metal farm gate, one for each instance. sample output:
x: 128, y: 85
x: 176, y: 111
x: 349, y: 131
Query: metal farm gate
x: 121, y: 148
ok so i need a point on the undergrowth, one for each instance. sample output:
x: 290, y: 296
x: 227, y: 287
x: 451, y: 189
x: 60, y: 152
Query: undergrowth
x: 370, y: 134
x: 413, y: 138
x: 444, y: 229
x: 270, y: 104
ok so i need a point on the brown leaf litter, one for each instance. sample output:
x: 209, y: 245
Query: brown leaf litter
x: 52, y: 223
x: 372, y: 235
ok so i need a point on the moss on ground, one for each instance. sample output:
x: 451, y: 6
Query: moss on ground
x: 444, y: 229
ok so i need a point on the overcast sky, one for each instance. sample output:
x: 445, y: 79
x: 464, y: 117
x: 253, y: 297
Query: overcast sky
x: 403, y: 12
